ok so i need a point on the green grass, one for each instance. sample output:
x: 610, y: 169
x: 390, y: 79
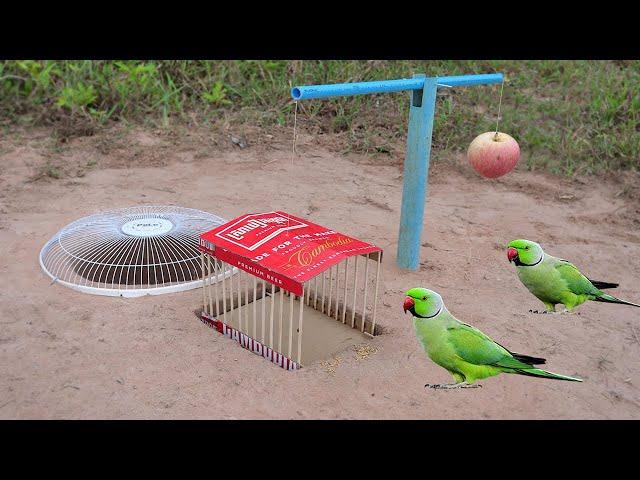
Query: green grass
x: 570, y: 117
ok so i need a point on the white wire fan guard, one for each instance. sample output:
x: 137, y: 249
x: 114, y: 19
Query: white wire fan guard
x: 130, y: 252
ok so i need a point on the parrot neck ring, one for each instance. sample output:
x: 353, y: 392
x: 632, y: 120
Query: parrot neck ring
x: 427, y: 316
x: 521, y: 264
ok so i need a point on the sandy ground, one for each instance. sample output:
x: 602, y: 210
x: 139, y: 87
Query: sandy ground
x: 65, y: 354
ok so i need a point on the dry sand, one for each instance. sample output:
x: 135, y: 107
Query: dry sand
x: 64, y: 354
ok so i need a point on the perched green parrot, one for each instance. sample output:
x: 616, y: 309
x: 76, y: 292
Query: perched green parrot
x: 554, y: 280
x: 466, y: 352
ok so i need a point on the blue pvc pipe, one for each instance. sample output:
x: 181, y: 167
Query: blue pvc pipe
x: 416, y: 175
x: 467, y: 80
x: 385, y: 86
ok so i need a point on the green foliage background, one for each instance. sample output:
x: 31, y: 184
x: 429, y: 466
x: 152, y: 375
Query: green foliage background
x: 568, y: 116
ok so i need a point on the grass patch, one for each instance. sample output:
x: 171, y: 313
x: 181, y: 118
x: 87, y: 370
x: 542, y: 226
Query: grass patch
x: 570, y: 117
x: 48, y: 171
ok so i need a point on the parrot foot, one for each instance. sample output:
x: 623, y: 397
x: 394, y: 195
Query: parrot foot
x: 544, y: 312
x: 450, y: 386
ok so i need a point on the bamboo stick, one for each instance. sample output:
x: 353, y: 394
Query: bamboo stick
x: 355, y: 291
x: 216, y: 274
x: 330, y: 291
x: 273, y: 302
x: 291, y: 299
x: 344, y: 300
x: 262, y: 307
x: 209, y: 287
x: 366, y: 290
x: 323, y: 282
x: 224, y: 292
x: 375, y: 299
x: 204, y: 283
x: 300, y: 318
x: 280, y: 323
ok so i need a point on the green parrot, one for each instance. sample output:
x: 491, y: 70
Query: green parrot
x: 466, y: 352
x: 554, y: 280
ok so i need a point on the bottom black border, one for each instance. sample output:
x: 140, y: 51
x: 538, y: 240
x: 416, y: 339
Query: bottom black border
x: 369, y: 436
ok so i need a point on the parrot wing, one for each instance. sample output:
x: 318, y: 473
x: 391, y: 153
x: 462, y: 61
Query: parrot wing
x: 581, y: 285
x: 474, y: 347
x: 576, y: 281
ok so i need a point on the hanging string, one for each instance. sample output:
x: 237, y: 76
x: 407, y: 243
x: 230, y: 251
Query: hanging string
x: 295, y: 130
x: 293, y: 150
x: 499, y: 106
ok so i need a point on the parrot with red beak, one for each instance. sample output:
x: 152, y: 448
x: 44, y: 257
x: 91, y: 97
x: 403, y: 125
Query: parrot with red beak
x: 553, y: 280
x: 465, y: 352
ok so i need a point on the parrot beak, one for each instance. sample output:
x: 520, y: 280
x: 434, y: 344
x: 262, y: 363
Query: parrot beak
x: 408, y: 304
x: 512, y: 254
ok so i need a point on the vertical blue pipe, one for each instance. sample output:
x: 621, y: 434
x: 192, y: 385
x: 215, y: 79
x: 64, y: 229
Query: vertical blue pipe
x: 416, y: 172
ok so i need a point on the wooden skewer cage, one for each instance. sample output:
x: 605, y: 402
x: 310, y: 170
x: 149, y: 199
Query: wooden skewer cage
x: 299, y: 276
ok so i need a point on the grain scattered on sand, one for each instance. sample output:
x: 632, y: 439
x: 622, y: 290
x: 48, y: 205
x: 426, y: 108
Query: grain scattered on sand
x: 331, y: 365
x: 364, y: 351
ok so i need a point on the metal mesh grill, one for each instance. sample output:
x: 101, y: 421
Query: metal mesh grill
x: 131, y: 252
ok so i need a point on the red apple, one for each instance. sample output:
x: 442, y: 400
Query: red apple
x: 493, y: 154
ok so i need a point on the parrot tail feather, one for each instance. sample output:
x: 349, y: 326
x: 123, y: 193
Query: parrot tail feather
x: 537, y: 372
x: 528, y: 359
x: 603, y: 285
x: 611, y: 299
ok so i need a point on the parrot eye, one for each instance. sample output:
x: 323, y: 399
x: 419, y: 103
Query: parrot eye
x: 424, y: 298
x: 526, y: 248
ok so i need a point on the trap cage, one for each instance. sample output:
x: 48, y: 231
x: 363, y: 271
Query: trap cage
x: 293, y: 276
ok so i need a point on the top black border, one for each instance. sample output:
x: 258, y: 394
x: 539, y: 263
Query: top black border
x: 480, y: 30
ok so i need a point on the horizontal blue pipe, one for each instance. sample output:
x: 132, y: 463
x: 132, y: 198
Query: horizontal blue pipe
x: 467, y: 80
x: 385, y: 86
